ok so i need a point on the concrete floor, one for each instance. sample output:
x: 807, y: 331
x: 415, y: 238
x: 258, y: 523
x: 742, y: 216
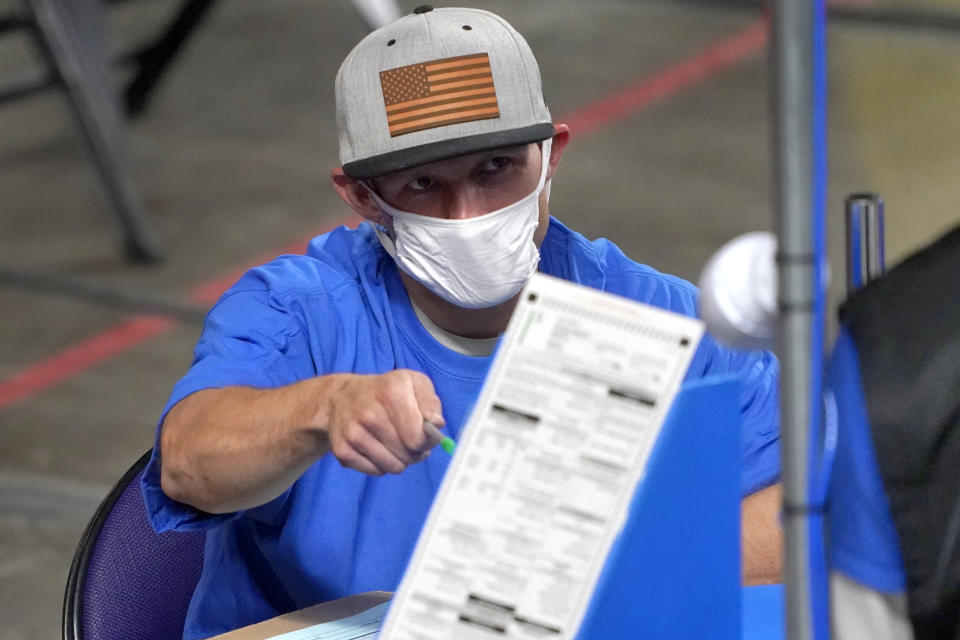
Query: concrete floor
x: 232, y: 163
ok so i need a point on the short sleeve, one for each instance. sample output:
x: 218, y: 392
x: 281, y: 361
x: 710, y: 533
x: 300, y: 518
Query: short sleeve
x: 250, y: 339
x: 863, y: 540
x: 760, y: 408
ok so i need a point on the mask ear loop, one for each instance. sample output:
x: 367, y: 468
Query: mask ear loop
x: 546, y: 148
x: 383, y: 234
x: 385, y: 240
x: 373, y: 194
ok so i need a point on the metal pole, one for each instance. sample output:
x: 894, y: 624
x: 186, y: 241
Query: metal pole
x: 793, y: 69
x: 865, y: 242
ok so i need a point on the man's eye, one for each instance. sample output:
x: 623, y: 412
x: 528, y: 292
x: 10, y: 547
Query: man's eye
x: 420, y: 184
x: 494, y: 165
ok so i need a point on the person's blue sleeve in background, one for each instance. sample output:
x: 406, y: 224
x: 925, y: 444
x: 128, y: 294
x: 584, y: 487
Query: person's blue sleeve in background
x: 758, y: 373
x: 862, y: 539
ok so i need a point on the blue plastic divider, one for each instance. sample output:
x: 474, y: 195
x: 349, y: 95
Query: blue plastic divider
x: 674, y: 572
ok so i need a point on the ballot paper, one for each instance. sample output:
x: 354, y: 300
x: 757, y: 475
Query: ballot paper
x: 545, y: 469
x: 362, y: 626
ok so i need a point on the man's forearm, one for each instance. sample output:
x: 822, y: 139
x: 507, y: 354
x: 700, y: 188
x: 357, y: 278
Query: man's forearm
x: 762, y: 537
x: 229, y: 449
x: 234, y: 448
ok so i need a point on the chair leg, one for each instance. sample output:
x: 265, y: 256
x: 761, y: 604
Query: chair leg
x: 65, y: 33
x: 154, y: 60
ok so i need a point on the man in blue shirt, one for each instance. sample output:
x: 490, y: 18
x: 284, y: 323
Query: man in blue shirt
x: 297, y: 440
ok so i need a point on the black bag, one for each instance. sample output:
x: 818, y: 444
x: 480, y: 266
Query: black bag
x: 906, y: 326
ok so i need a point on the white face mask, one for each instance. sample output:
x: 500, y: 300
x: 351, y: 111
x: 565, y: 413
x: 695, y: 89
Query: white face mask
x: 473, y: 263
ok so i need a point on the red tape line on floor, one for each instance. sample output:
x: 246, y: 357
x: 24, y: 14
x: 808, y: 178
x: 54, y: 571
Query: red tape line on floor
x: 141, y: 328
x: 670, y: 81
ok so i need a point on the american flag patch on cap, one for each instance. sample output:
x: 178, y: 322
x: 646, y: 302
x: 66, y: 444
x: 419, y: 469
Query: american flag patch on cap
x: 437, y: 93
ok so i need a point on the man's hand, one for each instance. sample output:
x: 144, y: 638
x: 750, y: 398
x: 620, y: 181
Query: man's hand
x: 375, y: 422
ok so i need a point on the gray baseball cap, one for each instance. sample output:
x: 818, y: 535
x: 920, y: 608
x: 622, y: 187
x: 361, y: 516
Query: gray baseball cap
x: 436, y: 84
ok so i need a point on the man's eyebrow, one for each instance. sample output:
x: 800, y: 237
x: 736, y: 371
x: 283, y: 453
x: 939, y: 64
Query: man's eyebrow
x: 517, y: 148
x: 515, y: 151
x: 403, y: 176
x: 481, y: 156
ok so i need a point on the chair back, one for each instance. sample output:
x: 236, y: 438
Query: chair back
x: 127, y: 582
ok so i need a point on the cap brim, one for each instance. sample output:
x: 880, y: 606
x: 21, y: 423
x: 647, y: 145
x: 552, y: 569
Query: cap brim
x: 434, y: 151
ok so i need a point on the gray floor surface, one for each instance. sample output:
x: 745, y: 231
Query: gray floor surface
x: 232, y: 162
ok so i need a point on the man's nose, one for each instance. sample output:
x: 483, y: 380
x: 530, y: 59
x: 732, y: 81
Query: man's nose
x: 465, y: 203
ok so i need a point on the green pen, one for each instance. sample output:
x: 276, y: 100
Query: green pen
x: 446, y: 443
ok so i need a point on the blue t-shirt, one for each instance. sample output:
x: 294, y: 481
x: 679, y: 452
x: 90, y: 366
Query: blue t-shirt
x: 862, y: 538
x: 343, y: 308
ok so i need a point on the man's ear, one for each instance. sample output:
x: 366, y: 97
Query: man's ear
x: 357, y: 197
x: 560, y: 140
